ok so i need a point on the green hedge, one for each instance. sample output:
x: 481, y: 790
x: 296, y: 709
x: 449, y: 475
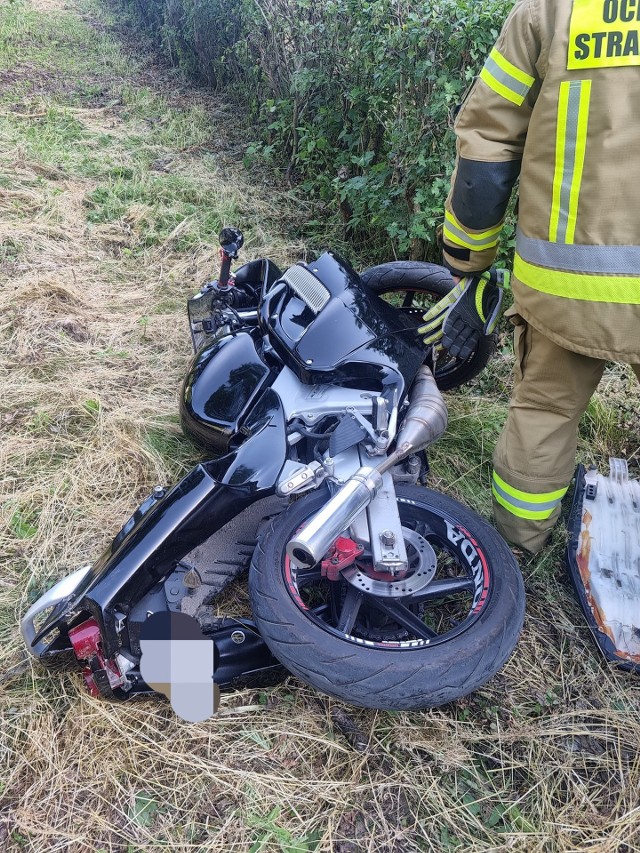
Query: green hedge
x: 353, y: 98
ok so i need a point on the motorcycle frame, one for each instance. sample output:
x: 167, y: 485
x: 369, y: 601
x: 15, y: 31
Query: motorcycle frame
x: 170, y: 525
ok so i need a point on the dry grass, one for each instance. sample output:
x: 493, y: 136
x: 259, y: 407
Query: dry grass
x: 93, y: 344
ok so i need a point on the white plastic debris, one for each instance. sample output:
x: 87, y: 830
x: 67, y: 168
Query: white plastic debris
x: 609, y: 555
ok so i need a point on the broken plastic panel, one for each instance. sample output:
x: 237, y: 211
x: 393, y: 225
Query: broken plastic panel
x: 603, y: 558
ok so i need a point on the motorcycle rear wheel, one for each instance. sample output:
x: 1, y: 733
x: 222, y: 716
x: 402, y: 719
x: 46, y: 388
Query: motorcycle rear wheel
x: 415, y: 287
x: 418, y: 651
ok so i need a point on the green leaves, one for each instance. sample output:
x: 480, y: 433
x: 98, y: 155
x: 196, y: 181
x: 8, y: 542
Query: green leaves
x: 144, y: 809
x: 23, y: 524
x: 270, y: 836
x: 362, y: 86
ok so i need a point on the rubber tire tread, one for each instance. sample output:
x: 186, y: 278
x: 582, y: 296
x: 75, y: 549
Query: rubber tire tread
x: 432, y: 278
x: 379, y: 678
x: 408, y: 275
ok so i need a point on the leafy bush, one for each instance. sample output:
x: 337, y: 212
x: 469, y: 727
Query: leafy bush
x: 352, y: 97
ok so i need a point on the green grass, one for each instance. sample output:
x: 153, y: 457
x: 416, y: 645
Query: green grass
x: 64, y: 79
x: 180, y: 129
x: 61, y: 53
x: 160, y: 205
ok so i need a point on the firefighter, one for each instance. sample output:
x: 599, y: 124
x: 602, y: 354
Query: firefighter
x: 556, y: 104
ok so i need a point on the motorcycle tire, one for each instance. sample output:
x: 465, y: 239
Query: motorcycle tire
x: 394, y: 653
x: 415, y: 287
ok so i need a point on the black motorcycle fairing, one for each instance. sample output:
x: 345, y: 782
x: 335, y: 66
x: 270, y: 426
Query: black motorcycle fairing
x: 202, y: 502
x: 256, y: 276
x: 355, y: 337
x: 136, y: 550
x: 220, y: 388
x: 258, y: 462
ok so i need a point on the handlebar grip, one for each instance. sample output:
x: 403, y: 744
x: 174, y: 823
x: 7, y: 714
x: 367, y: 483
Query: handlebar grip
x: 225, y: 270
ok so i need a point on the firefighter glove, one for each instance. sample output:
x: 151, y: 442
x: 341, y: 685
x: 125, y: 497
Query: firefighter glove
x: 467, y: 313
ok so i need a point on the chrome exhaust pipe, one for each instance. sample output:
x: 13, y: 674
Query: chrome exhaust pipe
x: 424, y: 423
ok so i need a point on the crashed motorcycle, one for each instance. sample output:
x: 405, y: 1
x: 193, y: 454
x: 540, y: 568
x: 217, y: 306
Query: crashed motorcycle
x: 314, y: 399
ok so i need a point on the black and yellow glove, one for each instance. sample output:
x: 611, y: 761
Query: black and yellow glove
x: 467, y: 313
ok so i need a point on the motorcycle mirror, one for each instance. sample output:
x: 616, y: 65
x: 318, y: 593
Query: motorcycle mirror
x: 231, y: 240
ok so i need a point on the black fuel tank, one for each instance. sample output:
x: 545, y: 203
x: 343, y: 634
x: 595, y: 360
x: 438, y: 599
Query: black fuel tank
x: 221, y: 386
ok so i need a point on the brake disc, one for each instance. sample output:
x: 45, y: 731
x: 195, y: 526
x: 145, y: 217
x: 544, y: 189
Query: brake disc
x: 422, y: 568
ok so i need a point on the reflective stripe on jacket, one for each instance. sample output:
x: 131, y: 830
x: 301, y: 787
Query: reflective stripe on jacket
x: 557, y: 103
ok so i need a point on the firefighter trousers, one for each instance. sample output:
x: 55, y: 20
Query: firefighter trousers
x: 534, y: 458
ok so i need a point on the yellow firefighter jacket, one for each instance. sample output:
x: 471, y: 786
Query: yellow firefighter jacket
x: 558, y: 103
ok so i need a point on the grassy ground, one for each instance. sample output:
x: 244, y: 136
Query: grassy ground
x: 115, y: 176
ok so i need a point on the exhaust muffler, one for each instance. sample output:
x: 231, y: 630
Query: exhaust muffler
x: 424, y: 423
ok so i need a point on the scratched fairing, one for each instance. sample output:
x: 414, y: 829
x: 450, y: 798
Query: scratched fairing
x: 604, y: 559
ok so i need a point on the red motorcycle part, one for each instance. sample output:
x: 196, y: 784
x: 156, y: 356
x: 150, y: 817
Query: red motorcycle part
x: 341, y: 555
x: 101, y: 676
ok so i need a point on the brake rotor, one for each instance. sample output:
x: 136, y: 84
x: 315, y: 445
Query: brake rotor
x: 422, y: 568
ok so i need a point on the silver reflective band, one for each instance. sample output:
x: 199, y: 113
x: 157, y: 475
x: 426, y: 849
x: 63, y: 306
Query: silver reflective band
x: 606, y: 260
x: 474, y: 241
x: 507, y: 80
x: 528, y: 505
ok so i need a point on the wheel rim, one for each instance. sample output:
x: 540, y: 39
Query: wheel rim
x: 433, y: 612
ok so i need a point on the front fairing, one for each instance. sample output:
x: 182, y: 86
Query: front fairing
x: 223, y: 383
x: 343, y: 334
